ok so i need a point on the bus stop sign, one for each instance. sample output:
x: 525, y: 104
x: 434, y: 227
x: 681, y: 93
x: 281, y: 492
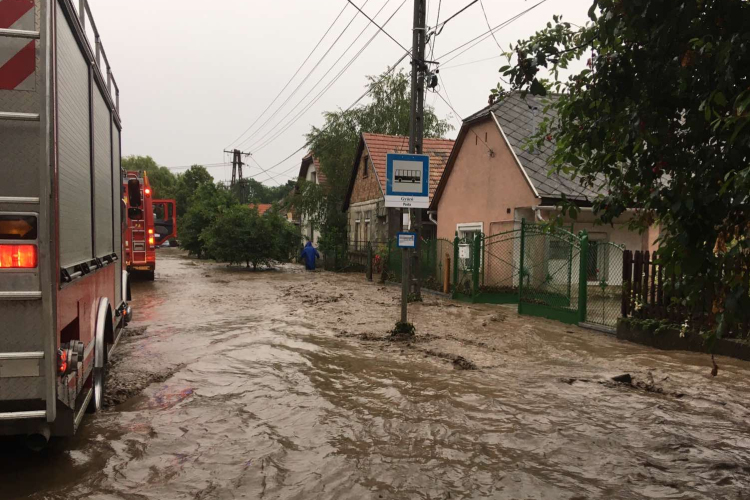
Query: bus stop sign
x: 407, y: 181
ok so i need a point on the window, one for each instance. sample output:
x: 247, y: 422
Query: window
x: 314, y: 177
x: 598, y: 268
x: 356, y: 234
x: 367, y: 228
x: 559, y: 249
x: 366, y: 167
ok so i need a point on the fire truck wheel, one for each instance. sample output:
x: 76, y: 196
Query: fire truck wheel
x: 150, y: 275
x: 98, y: 375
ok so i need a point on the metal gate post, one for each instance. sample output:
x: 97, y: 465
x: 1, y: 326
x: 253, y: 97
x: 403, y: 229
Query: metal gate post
x: 521, y: 268
x: 455, y: 264
x: 583, y: 277
x: 475, y: 268
x: 369, y: 261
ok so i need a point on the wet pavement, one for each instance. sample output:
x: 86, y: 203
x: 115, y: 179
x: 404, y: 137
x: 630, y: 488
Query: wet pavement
x: 283, y: 385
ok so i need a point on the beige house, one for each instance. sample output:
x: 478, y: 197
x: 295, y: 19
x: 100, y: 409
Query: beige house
x: 310, y: 171
x: 368, y: 219
x: 491, y: 183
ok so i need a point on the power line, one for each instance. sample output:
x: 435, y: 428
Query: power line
x: 369, y: 90
x: 258, y: 145
x: 309, y: 73
x: 279, y: 122
x: 481, y: 3
x: 480, y: 38
x: 291, y: 79
x: 492, y: 153
x: 376, y: 24
x: 441, y: 26
x: 434, y: 34
x: 470, y: 63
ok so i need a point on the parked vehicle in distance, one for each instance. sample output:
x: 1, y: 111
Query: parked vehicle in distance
x: 140, y: 242
x: 63, y: 289
x: 165, y: 221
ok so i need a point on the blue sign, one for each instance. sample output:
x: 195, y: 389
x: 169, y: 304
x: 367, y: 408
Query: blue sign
x: 406, y: 240
x: 407, y: 181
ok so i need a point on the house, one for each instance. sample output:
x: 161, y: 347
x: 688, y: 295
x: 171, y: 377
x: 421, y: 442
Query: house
x: 492, y: 182
x: 368, y: 219
x: 310, y: 171
x: 262, y: 207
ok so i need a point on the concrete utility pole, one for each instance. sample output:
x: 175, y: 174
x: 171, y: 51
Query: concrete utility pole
x: 416, y: 136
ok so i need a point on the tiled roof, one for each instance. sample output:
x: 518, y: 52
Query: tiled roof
x: 306, y: 162
x: 520, y: 118
x: 262, y: 208
x: 379, y: 145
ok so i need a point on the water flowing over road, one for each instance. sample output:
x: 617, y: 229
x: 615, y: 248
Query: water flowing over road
x: 280, y: 385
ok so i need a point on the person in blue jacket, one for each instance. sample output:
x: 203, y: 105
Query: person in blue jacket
x: 309, y: 253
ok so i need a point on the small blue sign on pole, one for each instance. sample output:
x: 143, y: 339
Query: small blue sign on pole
x: 407, y: 181
x: 406, y: 240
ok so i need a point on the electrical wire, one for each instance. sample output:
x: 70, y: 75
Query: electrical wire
x: 376, y: 24
x: 434, y: 35
x: 258, y: 146
x: 440, y: 26
x: 369, y: 90
x: 492, y: 153
x: 300, y: 84
x: 261, y: 140
x: 481, y: 4
x: 469, y: 63
x: 291, y: 79
x: 480, y: 38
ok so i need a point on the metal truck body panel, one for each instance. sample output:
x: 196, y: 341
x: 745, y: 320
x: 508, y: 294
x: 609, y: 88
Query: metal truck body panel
x: 62, y: 286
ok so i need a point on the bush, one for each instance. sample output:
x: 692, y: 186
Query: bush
x: 241, y: 235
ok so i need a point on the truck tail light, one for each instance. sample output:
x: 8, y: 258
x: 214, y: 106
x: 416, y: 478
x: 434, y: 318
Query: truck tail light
x: 62, y: 362
x: 151, y: 240
x: 150, y: 231
x: 148, y: 192
x: 18, y: 256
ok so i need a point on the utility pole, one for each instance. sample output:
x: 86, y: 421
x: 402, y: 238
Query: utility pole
x: 237, y: 175
x: 416, y: 136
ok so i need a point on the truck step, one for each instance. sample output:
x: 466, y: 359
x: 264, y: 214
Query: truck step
x: 23, y: 415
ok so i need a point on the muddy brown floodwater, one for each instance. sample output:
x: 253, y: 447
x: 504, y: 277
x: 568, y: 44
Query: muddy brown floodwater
x: 283, y: 385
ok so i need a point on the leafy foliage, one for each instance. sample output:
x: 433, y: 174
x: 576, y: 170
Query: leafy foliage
x: 206, y: 205
x: 335, y: 145
x: 241, y: 235
x: 658, y: 117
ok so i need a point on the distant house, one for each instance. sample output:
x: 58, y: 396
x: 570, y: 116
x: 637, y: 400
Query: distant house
x: 262, y: 207
x: 491, y: 182
x: 368, y: 219
x: 310, y: 171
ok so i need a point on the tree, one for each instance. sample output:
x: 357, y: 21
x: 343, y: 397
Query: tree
x: 335, y: 145
x: 205, y: 207
x: 258, y: 192
x: 241, y: 235
x: 187, y: 185
x: 163, y: 181
x: 658, y: 117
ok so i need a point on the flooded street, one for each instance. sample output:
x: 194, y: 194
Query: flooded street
x: 282, y: 385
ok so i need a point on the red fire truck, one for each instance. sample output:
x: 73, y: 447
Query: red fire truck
x: 140, y: 242
x: 63, y: 289
x: 165, y: 221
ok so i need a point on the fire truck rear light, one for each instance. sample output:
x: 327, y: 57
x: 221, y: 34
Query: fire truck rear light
x: 148, y: 192
x: 150, y: 231
x: 151, y: 241
x: 62, y: 362
x: 18, y: 256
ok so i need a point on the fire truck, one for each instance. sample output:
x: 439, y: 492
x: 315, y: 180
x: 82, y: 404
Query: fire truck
x: 165, y: 221
x: 140, y: 242
x: 63, y: 290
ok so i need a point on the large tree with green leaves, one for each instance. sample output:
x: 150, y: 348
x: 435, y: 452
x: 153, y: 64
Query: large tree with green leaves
x: 207, y: 203
x: 335, y: 144
x: 163, y: 181
x: 659, y: 116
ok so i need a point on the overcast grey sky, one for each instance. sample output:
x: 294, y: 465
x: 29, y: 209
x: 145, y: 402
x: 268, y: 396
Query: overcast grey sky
x: 194, y: 74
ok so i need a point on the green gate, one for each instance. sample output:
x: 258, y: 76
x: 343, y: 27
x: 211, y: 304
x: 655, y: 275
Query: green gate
x: 499, y: 274
x: 465, y: 268
x: 553, y: 281
x: 604, y: 279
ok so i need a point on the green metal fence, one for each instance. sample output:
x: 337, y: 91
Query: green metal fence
x: 432, y: 262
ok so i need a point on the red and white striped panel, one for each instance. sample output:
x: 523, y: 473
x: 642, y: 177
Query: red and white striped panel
x: 17, y: 55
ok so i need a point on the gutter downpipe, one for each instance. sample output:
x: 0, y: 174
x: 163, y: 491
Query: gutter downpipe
x: 431, y: 215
